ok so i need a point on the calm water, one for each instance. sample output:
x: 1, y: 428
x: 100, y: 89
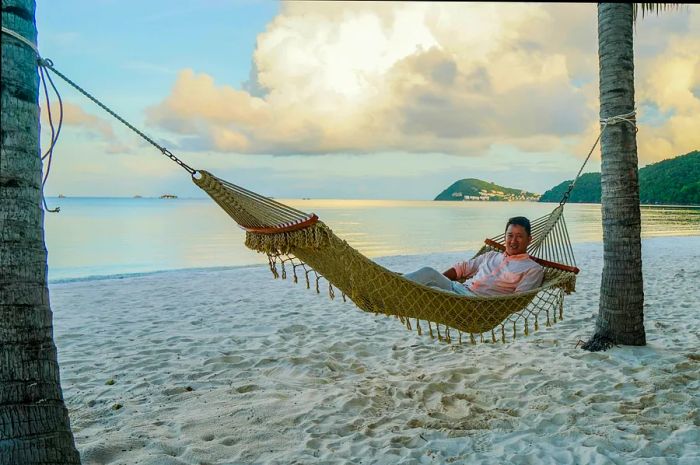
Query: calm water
x: 101, y: 236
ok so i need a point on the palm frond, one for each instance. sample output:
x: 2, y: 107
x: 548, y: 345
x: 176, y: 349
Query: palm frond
x: 652, y: 8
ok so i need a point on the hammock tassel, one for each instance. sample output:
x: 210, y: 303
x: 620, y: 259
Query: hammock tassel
x: 472, y: 339
x: 527, y: 330
x: 514, y: 330
x: 481, y: 337
x: 418, y: 328
x: 408, y: 324
x: 318, y: 288
x: 460, y: 337
x: 537, y: 327
x: 438, y: 331
x: 430, y: 329
x: 308, y: 283
x: 561, y: 309
x: 316, y: 237
x: 493, y: 336
x: 331, y: 292
x: 273, y: 266
x: 447, y: 335
x: 284, y: 270
x: 548, y: 323
x: 344, y: 298
x: 503, y: 334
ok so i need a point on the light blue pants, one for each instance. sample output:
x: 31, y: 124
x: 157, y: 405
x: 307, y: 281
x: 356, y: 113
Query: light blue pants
x: 433, y: 278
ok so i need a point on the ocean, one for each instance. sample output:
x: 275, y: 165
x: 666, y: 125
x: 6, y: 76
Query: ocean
x: 99, y: 237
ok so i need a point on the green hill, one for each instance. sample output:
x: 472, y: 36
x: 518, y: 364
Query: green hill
x: 673, y: 181
x: 474, y: 189
x: 587, y: 190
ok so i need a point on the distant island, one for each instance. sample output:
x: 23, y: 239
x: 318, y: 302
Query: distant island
x: 477, y: 190
x: 168, y: 196
x: 675, y: 181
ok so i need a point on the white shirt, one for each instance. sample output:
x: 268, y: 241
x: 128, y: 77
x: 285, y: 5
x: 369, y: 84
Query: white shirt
x: 496, y: 273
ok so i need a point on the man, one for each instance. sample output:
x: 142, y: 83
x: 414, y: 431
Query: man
x: 491, y: 273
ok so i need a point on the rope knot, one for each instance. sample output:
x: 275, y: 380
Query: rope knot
x: 628, y: 118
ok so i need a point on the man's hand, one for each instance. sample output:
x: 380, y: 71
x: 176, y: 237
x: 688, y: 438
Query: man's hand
x: 451, y: 274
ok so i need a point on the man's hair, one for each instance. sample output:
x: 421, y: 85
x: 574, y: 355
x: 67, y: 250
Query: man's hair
x: 520, y: 221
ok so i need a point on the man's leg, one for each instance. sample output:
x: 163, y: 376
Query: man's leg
x: 430, y: 277
x: 459, y: 288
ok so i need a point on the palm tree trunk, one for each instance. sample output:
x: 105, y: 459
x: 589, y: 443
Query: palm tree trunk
x: 34, y: 424
x: 620, y: 317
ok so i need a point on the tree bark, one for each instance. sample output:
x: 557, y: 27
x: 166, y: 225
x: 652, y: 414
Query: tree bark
x: 621, y: 312
x: 34, y: 424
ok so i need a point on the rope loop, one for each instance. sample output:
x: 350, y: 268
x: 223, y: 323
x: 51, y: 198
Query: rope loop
x: 628, y: 118
x: 22, y: 39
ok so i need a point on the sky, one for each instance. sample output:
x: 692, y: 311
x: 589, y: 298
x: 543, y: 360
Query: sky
x: 350, y: 100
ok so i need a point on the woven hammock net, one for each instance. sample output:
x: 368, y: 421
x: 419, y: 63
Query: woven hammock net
x: 299, y: 244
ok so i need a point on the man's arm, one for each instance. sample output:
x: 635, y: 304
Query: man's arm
x: 467, y: 268
x: 531, y: 280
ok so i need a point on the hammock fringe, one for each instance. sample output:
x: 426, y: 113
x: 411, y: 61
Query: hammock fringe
x: 316, y: 236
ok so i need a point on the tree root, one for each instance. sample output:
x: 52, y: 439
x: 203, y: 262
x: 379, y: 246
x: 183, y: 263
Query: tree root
x: 598, y: 343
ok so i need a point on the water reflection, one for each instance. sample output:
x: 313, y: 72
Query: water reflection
x: 114, y: 236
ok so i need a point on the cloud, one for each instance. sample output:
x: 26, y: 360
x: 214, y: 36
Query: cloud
x: 118, y: 148
x: 426, y: 78
x: 668, y: 83
x: 75, y: 116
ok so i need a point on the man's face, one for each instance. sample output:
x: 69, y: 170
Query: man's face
x: 517, y: 239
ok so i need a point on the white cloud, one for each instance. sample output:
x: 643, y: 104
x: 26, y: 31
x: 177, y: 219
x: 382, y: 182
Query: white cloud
x: 668, y: 82
x: 382, y: 77
x: 75, y: 116
x: 426, y: 78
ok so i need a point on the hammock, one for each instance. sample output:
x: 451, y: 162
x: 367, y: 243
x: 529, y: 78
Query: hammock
x: 301, y: 242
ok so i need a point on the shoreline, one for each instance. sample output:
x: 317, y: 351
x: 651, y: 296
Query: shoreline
x: 332, y: 199
x: 118, y: 276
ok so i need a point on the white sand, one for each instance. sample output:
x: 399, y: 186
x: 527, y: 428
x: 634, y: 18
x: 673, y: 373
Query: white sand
x: 281, y: 375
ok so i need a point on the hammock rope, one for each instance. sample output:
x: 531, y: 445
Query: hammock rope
x: 289, y: 236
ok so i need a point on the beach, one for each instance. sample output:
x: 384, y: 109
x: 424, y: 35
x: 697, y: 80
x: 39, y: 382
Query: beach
x: 229, y: 366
